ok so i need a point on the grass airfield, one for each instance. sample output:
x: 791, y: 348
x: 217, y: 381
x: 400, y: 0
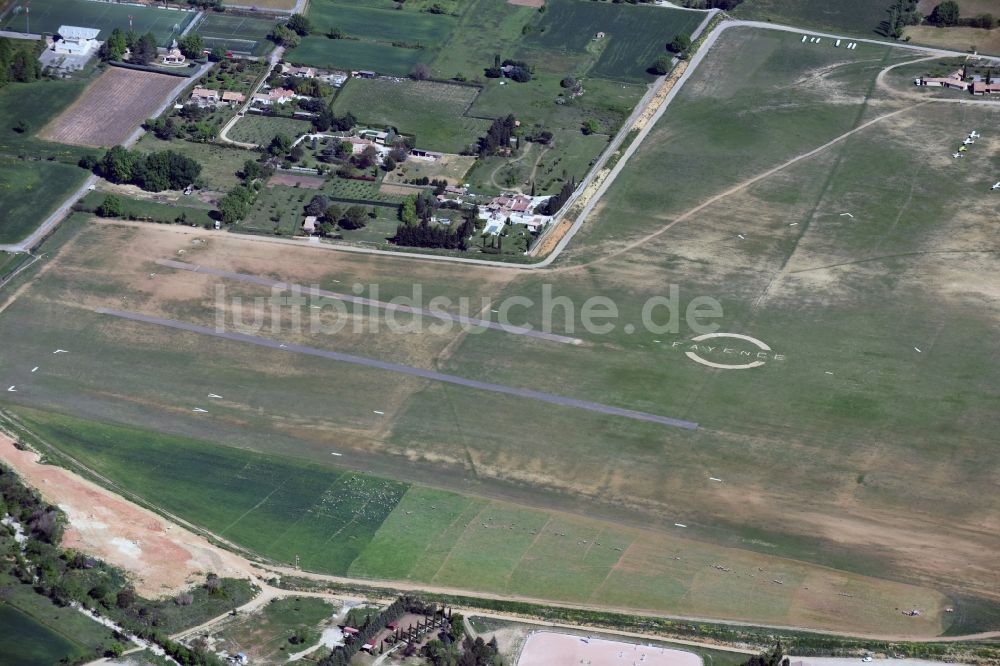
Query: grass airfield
x: 854, y: 455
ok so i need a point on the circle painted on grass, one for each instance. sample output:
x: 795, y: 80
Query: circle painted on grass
x: 693, y: 355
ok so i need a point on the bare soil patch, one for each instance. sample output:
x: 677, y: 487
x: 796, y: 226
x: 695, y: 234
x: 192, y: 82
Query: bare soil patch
x: 111, y: 108
x: 405, y: 190
x: 295, y: 180
x: 163, y: 557
x: 552, y: 649
x: 451, y: 168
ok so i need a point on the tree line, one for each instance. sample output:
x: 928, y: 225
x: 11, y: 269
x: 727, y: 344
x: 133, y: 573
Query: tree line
x: 498, y: 136
x: 416, y: 229
x: 154, y: 172
x: 948, y: 13
x: 441, y: 652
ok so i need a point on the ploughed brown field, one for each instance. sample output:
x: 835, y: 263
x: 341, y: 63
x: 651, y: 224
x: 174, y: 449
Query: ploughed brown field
x: 111, y: 108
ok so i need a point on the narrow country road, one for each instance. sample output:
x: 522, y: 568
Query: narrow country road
x: 272, y: 60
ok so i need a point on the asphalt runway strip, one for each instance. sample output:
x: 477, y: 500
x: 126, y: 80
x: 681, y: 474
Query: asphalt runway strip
x: 404, y: 369
x: 360, y: 300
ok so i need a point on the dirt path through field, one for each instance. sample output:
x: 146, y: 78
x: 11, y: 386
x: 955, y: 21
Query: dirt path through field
x: 739, y: 187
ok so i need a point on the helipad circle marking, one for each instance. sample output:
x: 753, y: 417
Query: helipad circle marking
x: 728, y: 366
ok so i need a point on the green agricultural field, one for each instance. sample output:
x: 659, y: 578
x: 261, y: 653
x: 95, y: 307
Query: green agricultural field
x: 253, y: 128
x: 345, y: 188
x: 432, y: 112
x: 239, y: 34
x: 859, y: 17
x: 47, y: 15
x: 23, y: 640
x: 369, y: 528
x: 299, y: 509
x: 219, y: 164
x: 319, y: 51
x: 153, y: 211
x: 635, y: 36
x: 370, y: 22
x: 29, y: 191
x: 37, y: 103
x: 278, y: 210
x: 484, y: 29
x: 33, y: 630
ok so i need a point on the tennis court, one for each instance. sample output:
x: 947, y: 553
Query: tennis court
x: 238, y: 34
x: 45, y: 17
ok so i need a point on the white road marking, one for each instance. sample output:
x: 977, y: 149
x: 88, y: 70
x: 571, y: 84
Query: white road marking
x: 60, y: 351
x: 680, y: 525
x: 847, y: 214
x: 35, y: 369
x: 213, y: 395
x: 794, y: 224
x: 12, y: 389
x: 200, y: 410
x: 828, y: 372
x: 918, y: 350
x: 375, y: 411
x: 334, y: 453
x: 712, y: 478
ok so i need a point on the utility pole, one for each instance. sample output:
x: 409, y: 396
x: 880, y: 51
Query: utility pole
x: 27, y: 18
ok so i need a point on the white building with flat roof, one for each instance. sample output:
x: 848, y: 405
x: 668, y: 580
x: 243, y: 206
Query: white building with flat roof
x: 75, y: 40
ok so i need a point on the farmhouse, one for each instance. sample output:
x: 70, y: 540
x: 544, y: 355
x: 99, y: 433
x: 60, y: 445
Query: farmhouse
x: 77, y: 41
x: 299, y: 72
x: 232, y: 98
x: 364, y: 74
x: 274, y: 96
x: 953, y: 81
x: 205, y: 97
x: 309, y: 225
x: 983, y: 88
x: 378, y: 137
x: 173, y: 56
x: 429, y: 155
